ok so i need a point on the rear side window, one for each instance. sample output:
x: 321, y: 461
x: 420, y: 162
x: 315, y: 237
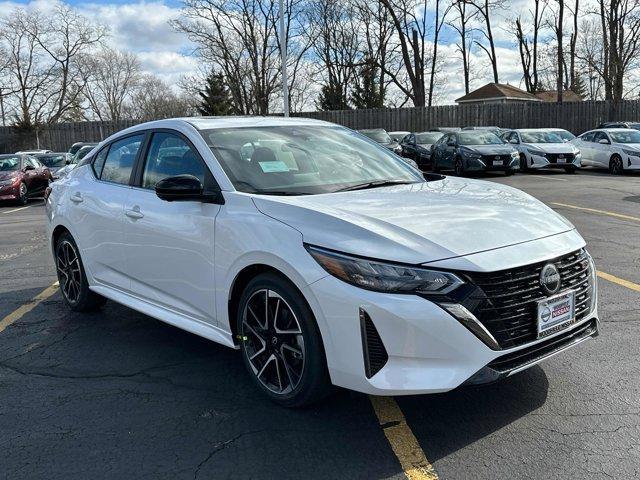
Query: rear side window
x: 119, y: 161
x: 168, y: 156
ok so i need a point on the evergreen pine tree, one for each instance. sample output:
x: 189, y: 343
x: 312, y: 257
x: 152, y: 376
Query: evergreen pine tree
x: 215, y: 99
x: 332, y: 98
x: 366, y: 93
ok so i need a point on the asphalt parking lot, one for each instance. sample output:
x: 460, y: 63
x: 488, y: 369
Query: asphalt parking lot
x: 117, y: 394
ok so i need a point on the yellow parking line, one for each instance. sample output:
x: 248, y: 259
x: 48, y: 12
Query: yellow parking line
x: 22, y: 310
x: 403, y: 442
x: 15, y: 210
x: 619, y: 281
x: 601, y: 212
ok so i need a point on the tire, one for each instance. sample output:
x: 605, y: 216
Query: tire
x: 523, y: 163
x: 434, y: 166
x: 289, y: 368
x: 72, y: 278
x: 571, y: 170
x: 509, y: 172
x: 458, y: 167
x: 616, y: 166
x: 23, y: 197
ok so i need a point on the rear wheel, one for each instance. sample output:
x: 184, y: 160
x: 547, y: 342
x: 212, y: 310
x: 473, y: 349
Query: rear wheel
x: 571, y: 169
x: 280, y: 342
x: 615, y: 165
x: 72, y: 278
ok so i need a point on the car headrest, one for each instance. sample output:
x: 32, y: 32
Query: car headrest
x: 263, y: 154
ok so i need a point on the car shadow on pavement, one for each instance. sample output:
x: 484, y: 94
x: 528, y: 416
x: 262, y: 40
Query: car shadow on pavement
x: 445, y: 423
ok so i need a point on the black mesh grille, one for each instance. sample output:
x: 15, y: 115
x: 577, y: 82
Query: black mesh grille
x: 375, y: 355
x: 489, y: 159
x: 506, y: 301
x: 553, y: 157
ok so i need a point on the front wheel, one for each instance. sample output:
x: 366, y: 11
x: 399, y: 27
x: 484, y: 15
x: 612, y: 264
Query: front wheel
x: 523, y: 163
x: 615, y: 165
x: 280, y: 342
x: 23, y: 194
x: 458, y: 167
x: 571, y: 169
x: 72, y: 278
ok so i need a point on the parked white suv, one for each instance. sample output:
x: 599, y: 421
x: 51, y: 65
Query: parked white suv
x: 617, y: 149
x: 320, y: 255
x: 543, y: 148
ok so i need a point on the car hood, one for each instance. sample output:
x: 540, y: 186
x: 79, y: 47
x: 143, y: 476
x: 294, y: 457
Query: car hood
x: 552, y: 147
x: 8, y: 175
x: 417, y: 223
x: 630, y: 146
x: 426, y: 146
x: 489, y: 149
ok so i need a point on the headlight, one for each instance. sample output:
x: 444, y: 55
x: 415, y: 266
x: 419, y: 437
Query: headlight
x: 4, y: 183
x: 631, y: 153
x: 470, y: 154
x: 537, y: 153
x: 397, y: 149
x: 384, y: 277
x: 515, y: 154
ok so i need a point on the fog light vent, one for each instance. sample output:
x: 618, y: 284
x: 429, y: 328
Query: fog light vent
x: 375, y: 355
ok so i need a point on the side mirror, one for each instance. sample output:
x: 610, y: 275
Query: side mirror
x: 604, y: 141
x: 183, y: 188
x: 29, y: 167
x: 451, y: 143
x: 67, y: 162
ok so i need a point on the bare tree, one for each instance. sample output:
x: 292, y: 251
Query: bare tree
x: 484, y: 8
x: 528, y: 45
x: 573, y: 43
x: 410, y: 24
x: 110, y: 78
x: 439, y: 20
x: 558, y: 27
x: 153, y: 99
x: 461, y: 24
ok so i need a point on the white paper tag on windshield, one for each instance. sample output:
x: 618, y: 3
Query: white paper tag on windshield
x: 275, y: 166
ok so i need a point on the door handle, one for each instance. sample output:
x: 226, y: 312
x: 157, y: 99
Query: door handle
x: 76, y: 197
x: 134, y: 213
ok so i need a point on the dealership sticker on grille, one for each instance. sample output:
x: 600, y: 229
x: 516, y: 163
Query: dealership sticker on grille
x: 556, y: 313
x: 498, y: 162
x: 561, y: 159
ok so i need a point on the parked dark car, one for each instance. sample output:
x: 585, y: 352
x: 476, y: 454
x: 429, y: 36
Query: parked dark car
x: 82, y: 151
x: 54, y: 161
x: 474, y: 151
x: 633, y: 125
x: 417, y: 146
x: 381, y: 136
x: 22, y: 177
x: 76, y: 146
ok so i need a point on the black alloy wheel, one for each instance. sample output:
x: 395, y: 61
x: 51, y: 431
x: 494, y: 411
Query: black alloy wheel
x: 458, y: 167
x: 615, y: 165
x: 523, y: 163
x: 281, y: 345
x: 23, y: 194
x: 72, y: 278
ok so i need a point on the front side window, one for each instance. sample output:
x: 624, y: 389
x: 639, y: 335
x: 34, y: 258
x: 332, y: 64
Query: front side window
x: 168, y: 156
x: 427, y: 138
x: 303, y: 159
x: 119, y: 162
x: 600, y: 136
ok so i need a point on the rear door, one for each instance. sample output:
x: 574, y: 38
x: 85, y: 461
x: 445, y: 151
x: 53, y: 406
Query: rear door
x: 96, y: 203
x: 170, y: 245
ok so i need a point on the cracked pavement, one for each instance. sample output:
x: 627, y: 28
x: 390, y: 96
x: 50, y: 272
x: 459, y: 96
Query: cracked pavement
x: 116, y: 394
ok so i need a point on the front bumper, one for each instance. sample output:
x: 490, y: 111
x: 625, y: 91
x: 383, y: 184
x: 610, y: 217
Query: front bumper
x: 427, y: 349
x: 9, y: 192
x: 478, y: 165
x: 540, y: 162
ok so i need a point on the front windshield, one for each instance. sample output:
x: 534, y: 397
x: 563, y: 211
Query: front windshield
x: 379, y: 136
x: 564, y: 135
x: 628, y: 136
x: 53, y: 161
x: 9, y: 164
x: 428, y: 138
x: 479, y: 138
x: 540, y: 137
x: 296, y: 160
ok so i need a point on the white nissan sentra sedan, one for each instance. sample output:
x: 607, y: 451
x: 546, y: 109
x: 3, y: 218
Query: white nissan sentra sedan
x: 321, y: 256
x: 544, y: 148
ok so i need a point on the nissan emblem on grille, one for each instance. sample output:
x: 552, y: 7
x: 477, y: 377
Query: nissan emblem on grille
x: 550, y: 278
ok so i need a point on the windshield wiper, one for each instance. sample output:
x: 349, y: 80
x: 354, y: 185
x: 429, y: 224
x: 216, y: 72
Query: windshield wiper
x: 375, y: 184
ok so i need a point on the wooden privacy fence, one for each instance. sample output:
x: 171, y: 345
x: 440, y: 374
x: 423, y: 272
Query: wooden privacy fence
x: 576, y: 117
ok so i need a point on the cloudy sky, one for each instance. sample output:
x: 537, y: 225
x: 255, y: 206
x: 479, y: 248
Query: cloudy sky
x: 143, y: 27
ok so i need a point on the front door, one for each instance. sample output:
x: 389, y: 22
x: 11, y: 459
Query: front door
x: 170, y: 245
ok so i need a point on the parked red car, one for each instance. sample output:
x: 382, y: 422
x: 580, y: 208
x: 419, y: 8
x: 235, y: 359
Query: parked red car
x: 22, y: 177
